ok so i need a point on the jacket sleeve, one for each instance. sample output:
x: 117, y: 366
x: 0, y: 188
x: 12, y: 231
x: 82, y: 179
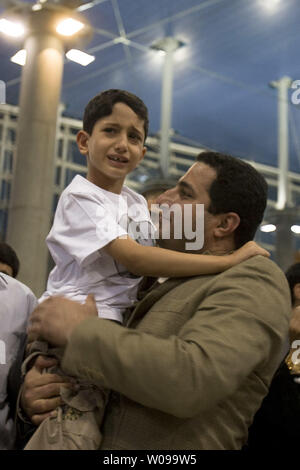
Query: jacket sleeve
x: 240, y: 325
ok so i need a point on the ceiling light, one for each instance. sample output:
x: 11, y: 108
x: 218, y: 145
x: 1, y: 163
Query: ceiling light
x: 11, y: 28
x: 69, y: 27
x: 36, y: 7
x: 19, y: 58
x: 80, y: 57
x: 270, y: 4
x: 295, y: 228
x: 268, y: 228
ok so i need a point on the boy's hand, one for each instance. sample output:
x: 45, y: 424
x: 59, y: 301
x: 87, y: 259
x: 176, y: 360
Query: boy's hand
x: 55, y: 318
x: 248, y: 250
x: 41, y: 391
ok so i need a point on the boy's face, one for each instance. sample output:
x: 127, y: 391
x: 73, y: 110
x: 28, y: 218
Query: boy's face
x: 115, y: 147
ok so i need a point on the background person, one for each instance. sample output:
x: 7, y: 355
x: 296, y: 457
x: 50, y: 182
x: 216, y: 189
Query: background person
x: 16, y: 304
x: 277, y: 422
x: 9, y: 261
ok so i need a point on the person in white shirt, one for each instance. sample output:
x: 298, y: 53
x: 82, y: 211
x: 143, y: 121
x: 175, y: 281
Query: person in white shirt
x: 101, y: 244
x: 16, y: 304
x: 9, y: 261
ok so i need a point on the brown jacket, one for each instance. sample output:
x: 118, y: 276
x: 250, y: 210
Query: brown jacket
x: 196, y: 362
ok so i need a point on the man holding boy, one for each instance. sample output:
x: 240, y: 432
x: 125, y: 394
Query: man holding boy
x: 196, y: 358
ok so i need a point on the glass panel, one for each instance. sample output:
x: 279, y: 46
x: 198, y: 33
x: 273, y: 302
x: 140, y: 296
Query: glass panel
x: 73, y: 131
x: 5, y: 191
x: 60, y: 147
x: 8, y: 161
x: 70, y: 174
x: 11, y: 135
x: 54, y: 202
x: 3, y: 224
x: 272, y: 193
x: 57, y: 175
x: 74, y: 155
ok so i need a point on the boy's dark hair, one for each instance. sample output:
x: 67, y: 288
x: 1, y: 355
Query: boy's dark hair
x: 102, y: 105
x: 8, y: 256
x: 293, y: 277
x: 237, y: 188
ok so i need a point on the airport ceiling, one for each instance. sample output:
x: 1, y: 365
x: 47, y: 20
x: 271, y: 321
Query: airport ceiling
x: 222, y: 100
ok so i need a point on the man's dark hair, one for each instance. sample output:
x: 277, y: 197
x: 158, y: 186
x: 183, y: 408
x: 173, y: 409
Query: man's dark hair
x: 102, y: 105
x: 8, y: 256
x: 237, y: 188
x: 293, y: 277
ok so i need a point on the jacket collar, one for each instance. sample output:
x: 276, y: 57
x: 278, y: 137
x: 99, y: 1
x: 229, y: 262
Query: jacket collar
x: 154, y: 294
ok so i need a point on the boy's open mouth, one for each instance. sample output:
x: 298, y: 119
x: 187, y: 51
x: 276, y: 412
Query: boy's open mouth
x: 117, y: 158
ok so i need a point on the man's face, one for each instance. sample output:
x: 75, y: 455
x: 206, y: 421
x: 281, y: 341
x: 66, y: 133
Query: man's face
x: 6, y: 269
x: 115, y: 147
x: 192, y: 189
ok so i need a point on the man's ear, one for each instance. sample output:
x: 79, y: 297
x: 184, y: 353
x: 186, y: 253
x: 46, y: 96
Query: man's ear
x: 82, y: 140
x: 227, y: 224
x: 296, y: 291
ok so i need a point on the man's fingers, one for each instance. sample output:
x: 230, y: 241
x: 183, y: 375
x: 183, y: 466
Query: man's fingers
x: 43, y: 362
x: 46, y: 405
x: 33, y: 332
x: 37, y: 419
x: 48, y: 390
x: 90, y: 305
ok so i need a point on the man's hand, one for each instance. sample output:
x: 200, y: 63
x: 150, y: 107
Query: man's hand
x: 295, y: 324
x: 55, y: 318
x: 40, y: 393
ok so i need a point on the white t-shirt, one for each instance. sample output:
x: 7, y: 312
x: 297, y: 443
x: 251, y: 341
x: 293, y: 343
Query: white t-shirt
x: 16, y: 304
x: 86, y: 220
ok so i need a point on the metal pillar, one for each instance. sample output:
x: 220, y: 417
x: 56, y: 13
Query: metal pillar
x: 283, y: 214
x: 30, y: 210
x: 168, y: 45
x: 32, y: 195
x: 283, y: 198
x: 166, y: 105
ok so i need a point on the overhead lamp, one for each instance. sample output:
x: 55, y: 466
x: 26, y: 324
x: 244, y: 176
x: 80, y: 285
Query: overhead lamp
x: 80, y: 57
x: 19, y: 58
x: 36, y: 7
x: 270, y: 4
x: 85, y: 6
x: 168, y: 44
x: 11, y: 28
x: 267, y: 228
x: 295, y: 228
x: 69, y: 27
